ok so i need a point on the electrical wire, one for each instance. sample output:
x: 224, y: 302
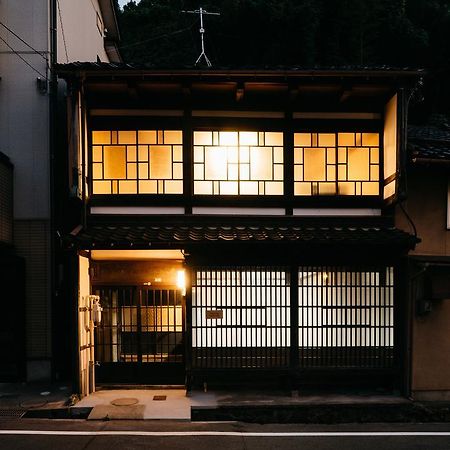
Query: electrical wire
x: 23, y: 59
x: 154, y: 38
x: 42, y: 54
x: 62, y: 30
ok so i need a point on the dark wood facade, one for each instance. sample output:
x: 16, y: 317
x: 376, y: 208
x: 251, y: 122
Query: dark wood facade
x: 312, y: 301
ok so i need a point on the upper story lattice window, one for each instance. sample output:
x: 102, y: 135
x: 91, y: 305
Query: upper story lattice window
x: 137, y: 162
x: 238, y: 163
x: 336, y: 164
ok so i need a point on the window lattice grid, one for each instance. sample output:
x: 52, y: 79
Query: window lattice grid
x: 137, y: 162
x: 238, y: 163
x: 336, y: 164
x: 251, y: 322
x: 346, y: 317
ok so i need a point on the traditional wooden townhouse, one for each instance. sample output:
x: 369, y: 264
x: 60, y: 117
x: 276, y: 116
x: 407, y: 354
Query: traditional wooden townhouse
x: 236, y: 226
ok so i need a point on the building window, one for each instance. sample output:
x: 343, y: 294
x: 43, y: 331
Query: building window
x: 137, y: 162
x: 336, y: 164
x: 346, y: 317
x: 240, y: 317
x: 238, y: 163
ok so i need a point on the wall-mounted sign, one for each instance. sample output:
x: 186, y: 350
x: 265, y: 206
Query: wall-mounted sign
x: 214, y: 314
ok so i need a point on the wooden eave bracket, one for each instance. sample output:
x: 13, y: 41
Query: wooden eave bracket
x: 240, y: 91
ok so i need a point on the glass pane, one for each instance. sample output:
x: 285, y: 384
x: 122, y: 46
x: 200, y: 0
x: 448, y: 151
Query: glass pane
x: 173, y: 137
x: 228, y: 138
x: 302, y: 139
x: 97, y: 154
x: 248, y: 138
x: 127, y: 137
x: 314, y: 164
x: 229, y: 187
x: 346, y: 139
x: 173, y: 187
x: 198, y: 154
x: 370, y: 188
x: 97, y: 172
x: 327, y: 140
x: 215, y: 163
x: 115, y: 162
x: 128, y: 187
x: 249, y: 187
x: 302, y: 188
x: 148, y: 187
x: 274, y: 188
x: 275, y: 139
x: 160, y: 162
x: 101, y: 137
x: 358, y: 164
x: 131, y: 171
x: 261, y: 163
x: 370, y: 139
x: 203, y: 138
x: 101, y: 187
x: 147, y: 137
x: 203, y: 187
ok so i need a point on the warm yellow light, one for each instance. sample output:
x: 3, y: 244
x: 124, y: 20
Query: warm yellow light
x: 181, y: 281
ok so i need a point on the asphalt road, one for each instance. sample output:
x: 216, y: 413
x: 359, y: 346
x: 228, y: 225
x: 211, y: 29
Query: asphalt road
x: 161, y: 435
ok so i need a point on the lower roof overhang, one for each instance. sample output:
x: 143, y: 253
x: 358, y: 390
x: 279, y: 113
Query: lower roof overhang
x: 256, y: 239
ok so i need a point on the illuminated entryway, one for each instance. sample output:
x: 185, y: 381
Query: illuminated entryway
x: 140, y: 339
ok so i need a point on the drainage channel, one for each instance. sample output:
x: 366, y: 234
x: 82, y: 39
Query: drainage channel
x: 57, y: 413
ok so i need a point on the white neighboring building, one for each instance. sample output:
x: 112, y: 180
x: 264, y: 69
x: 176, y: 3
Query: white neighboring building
x: 86, y: 30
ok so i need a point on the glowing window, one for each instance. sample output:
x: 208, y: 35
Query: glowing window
x: 137, y: 162
x: 336, y: 163
x: 238, y: 163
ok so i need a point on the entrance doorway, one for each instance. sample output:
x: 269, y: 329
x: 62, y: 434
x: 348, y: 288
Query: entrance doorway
x: 140, y: 339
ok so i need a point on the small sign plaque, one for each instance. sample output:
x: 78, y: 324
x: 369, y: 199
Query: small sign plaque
x: 214, y: 314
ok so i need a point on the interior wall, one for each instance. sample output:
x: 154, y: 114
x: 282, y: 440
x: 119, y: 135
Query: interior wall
x: 157, y: 273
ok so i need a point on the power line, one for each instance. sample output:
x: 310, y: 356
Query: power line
x: 154, y: 38
x: 42, y: 54
x: 62, y: 30
x: 23, y: 59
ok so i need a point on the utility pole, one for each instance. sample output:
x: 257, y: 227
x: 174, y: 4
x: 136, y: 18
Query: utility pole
x: 202, y: 11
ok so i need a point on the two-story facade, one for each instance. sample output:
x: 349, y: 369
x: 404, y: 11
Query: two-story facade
x: 237, y: 225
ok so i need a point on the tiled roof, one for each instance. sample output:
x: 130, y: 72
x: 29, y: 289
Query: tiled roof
x: 428, y: 133
x: 104, y: 66
x: 107, y: 236
x: 429, y: 143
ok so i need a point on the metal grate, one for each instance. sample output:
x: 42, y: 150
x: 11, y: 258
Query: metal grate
x: 240, y: 317
x: 346, y: 317
x: 140, y: 324
x: 12, y: 413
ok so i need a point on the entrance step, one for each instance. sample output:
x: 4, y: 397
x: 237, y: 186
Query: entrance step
x: 148, y: 403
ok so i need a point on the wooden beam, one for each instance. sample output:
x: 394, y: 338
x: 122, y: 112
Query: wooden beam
x: 240, y: 90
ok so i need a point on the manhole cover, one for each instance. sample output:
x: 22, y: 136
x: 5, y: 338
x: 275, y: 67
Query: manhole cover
x: 124, y: 401
x: 159, y: 398
x: 12, y: 412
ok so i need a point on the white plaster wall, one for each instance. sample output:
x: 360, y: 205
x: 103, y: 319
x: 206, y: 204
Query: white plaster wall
x: 24, y: 110
x: 78, y: 20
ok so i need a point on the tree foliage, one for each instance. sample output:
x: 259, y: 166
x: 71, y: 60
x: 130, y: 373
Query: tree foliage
x: 287, y: 32
x: 301, y: 33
